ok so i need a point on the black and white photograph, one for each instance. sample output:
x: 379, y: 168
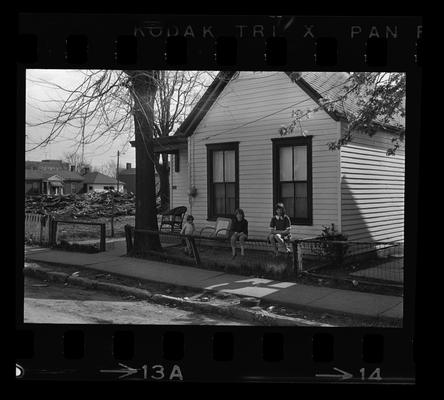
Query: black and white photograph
x: 179, y: 197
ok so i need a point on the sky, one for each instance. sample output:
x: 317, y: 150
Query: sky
x: 41, y: 97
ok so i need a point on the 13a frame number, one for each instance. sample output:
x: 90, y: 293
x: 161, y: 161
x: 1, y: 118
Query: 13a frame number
x: 159, y: 372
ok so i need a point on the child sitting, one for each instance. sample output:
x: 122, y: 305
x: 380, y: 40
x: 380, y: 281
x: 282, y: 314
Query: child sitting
x: 279, y: 229
x: 240, y: 231
x: 188, y: 229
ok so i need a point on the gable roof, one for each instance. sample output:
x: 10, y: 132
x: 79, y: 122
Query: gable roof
x: 316, y: 84
x: 55, y: 178
x: 99, y: 178
x: 33, y: 174
x: 67, y: 175
x: 331, y: 84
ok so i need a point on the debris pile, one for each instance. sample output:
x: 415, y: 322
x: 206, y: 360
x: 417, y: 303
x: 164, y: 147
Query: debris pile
x: 88, y: 205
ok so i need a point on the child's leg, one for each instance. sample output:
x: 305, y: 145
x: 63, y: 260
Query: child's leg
x: 190, y: 249
x: 287, y: 245
x: 242, y: 239
x: 272, y: 239
x: 233, y: 243
x: 281, y: 240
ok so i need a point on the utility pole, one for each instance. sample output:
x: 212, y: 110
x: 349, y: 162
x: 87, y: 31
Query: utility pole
x: 113, y: 194
x: 117, y: 172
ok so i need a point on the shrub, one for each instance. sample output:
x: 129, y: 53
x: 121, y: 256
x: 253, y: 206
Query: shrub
x: 331, y: 245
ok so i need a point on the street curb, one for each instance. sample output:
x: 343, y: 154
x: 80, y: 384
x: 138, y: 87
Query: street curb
x: 308, y: 308
x: 230, y: 311
x: 238, y: 312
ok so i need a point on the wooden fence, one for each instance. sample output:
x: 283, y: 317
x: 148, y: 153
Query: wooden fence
x: 38, y: 228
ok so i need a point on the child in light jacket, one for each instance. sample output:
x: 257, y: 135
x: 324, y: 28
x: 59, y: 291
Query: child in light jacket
x: 188, y: 229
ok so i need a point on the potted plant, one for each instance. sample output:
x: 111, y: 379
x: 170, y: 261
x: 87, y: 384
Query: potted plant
x: 332, y: 244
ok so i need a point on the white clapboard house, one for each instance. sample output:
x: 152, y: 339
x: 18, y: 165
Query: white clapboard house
x: 229, y: 153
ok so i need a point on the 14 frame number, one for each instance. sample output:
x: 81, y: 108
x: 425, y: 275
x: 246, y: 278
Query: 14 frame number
x: 374, y: 376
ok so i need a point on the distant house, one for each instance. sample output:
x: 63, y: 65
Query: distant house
x: 98, y: 182
x: 57, y: 177
x: 52, y: 182
x: 128, y: 176
x: 229, y: 153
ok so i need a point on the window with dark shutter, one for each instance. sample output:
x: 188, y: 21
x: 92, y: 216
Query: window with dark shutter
x: 292, y: 178
x: 223, y: 181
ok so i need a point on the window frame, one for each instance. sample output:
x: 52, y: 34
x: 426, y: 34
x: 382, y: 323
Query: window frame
x: 210, y: 201
x: 286, y: 142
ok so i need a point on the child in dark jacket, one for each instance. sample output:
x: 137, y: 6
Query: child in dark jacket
x: 240, y: 231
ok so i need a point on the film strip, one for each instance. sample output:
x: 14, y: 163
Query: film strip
x: 185, y: 353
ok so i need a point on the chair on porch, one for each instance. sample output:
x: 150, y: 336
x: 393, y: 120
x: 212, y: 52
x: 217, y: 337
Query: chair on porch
x: 220, y: 230
x: 173, y: 219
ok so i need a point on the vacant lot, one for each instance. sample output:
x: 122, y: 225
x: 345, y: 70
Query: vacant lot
x: 67, y: 231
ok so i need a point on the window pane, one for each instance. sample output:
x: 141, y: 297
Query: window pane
x: 231, y: 198
x: 287, y: 190
x: 219, y: 198
x: 230, y: 166
x: 218, y: 165
x: 285, y: 161
x: 301, y: 206
x: 300, y: 163
x: 301, y: 189
x: 287, y: 197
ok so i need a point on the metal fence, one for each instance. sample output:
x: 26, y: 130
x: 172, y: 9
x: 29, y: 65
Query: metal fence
x: 371, y: 262
x: 68, y: 238
x: 380, y: 263
x: 215, y: 253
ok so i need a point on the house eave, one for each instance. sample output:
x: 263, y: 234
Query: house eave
x: 167, y: 144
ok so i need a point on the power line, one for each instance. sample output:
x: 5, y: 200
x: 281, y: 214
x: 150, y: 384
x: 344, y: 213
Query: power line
x: 269, y: 115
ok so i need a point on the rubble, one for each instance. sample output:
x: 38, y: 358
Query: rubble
x: 88, y: 205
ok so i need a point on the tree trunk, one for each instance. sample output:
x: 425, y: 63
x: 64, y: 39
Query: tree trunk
x: 143, y: 91
x: 164, y: 183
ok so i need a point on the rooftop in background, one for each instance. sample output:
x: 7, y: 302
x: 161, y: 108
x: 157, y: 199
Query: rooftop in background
x: 47, y: 165
x: 128, y: 170
x: 99, y: 178
x: 35, y: 174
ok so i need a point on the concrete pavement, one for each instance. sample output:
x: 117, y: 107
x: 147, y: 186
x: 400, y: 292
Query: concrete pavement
x: 290, y: 294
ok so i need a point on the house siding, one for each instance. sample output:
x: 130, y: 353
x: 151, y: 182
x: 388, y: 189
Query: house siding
x: 99, y: 187
x: 130, y: 182
x: 252, y: 96
x: 29, y: 186
x: 67, y: 187
x: 179, y: 182
x: 372, y: 189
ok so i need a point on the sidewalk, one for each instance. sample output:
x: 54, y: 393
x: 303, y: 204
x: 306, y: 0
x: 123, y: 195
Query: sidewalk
x: 290, y: 294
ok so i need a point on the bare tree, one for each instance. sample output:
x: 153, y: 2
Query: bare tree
x: 177, y: 93
x: 109, y: 168
x: 102, y: 106
x: 369, y: 101
x: 76, y: 160
x: 107, y: 104
x: 141, y: 104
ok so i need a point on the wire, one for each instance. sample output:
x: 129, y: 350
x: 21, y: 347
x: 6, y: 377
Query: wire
x: 268, y: 115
